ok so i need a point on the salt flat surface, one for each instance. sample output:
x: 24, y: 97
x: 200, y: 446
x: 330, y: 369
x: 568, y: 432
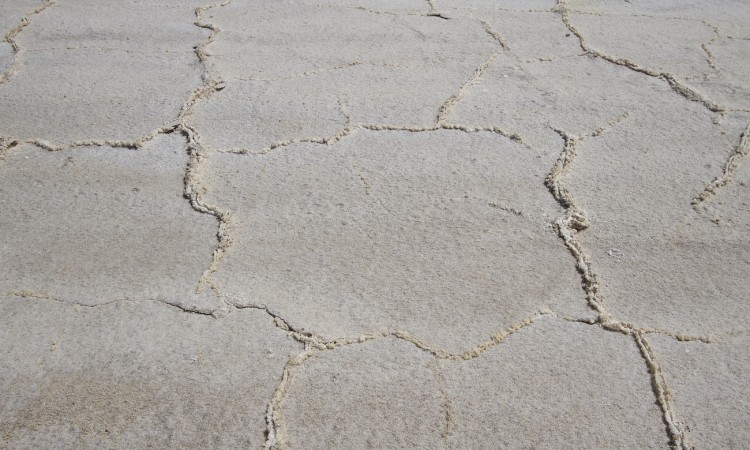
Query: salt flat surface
x: 374, y: 224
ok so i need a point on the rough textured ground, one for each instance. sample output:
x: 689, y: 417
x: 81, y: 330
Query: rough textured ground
x: 374, y: 224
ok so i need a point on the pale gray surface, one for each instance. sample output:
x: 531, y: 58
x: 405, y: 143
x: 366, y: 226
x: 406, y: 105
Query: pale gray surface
x: 135, y: 374
x: 422, y: 223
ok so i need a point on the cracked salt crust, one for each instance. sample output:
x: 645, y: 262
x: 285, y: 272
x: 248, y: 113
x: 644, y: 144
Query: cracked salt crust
x: 405, y: 84
x: 419, y: 246
x: 534, y: 107
x: 460, y: 74
x: 667, y: 276
x: 652, y: 42
x: 698, y: 53
x: 121, y: 228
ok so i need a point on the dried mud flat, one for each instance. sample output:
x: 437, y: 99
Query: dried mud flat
x: 374, y: 224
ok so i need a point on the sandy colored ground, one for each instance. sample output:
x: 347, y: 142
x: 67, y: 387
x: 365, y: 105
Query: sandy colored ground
x: 375, y: 224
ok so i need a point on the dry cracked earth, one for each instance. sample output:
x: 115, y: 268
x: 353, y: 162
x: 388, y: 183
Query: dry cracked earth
x: 375, y: 224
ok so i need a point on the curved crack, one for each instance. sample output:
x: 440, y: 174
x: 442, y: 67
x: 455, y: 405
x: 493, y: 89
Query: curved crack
x: 314, y: 345
x: 10, y: 38
x: 192, y: 192
x: 447, y: 107
x: 351, y: 128
x: 272, y: 414
x: 731, y: 166
x: 133, y: 145
x: 676, y: 86
x: 675, y: 428
x: 568, y: 227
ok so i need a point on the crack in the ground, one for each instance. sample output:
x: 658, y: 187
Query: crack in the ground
x: 272, y: 414
x: 350, y: 128
x: 447, y: 403
x: 192, y: 191
x: 575, y: 220
x: 568, y: 226
x: 454, y: 99
x: 312, y: 348
x: 10, y: 38
x: 315, y: 344
x: 675, y: 429
x: 30, y: 294
x: 733, y: 163
x: 495, y: 35
x: 671, y: 79
x: 132, y: 145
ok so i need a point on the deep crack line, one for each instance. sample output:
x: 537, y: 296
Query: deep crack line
x: 447, y: 107
x: 193, y: 193
x: 675, y: 429
x: 350, y: 128
x: 676, y: 86
x: 575, y: 219
x: 132, y: 145
x: 10, y: 38
x: 27, y: 293
x: 568, y: 227
x: 273, y: 429
x: 191, y: 189
x: 453, y: 100
x: 731, y: 166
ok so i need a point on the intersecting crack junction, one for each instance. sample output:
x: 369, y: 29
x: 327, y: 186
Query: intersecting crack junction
x: 374, y: 224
